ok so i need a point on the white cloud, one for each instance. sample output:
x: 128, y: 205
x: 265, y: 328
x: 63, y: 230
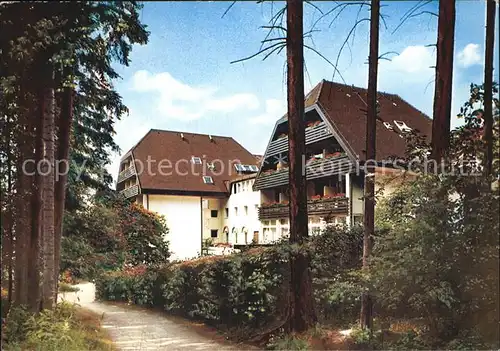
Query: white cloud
x: 414, y: 59
x: 469, y: 55
x: 274, y: 109
x: 181, y: 101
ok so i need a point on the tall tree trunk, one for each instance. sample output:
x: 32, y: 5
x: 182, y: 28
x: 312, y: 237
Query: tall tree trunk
x: 441, y: 121
x: 366, y: 318
x: 49, y: 273
x: 302, y: 314
x: 7, y: 217
x: 488, y: 83
x: 23, y: 215
x: 36, y: 220
x: 64, y: 133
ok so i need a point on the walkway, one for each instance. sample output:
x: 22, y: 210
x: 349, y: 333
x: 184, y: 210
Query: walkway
x: 133, y: 328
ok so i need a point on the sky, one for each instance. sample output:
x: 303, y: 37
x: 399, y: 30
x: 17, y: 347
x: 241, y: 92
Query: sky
x: 183, y: 79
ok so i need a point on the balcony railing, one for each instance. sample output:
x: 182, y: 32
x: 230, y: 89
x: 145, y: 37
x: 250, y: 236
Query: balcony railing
x: 131, y: 191
x: 126, y: 173
x: 313, y: 134
x: 318, y: 169
x: 321, y: 207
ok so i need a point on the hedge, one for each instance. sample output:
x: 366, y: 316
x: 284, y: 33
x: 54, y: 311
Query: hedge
x: 245, y: 291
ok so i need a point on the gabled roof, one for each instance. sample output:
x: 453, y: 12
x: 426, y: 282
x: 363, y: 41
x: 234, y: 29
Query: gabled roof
x: 345, y: 108
x: 176, y: 149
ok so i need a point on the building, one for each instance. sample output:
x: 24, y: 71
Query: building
x: 202, y: 184
x: 335, y: 156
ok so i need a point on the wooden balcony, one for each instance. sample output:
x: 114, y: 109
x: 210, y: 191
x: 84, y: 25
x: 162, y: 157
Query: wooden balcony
x: 322, y: 207
x: 319, y: 169
x: 313, y: 134
x: 126, y: 173
x: 131, y: 191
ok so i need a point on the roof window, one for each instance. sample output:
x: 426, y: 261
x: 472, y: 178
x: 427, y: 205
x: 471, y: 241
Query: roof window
x: 402, y: 126
x: 208, y: 180
x: 196, y: 160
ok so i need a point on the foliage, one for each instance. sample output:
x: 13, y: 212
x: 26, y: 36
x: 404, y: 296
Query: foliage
x: 111, y: 233
x: 286, y: 342
x: 65, y: 287
x: 67, y: 327
x: 436, y: 254
x: 245, y: 292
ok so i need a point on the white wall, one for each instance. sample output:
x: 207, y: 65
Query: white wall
x: 249, y: 219
x: 210, y: 222
x: 183, y: 215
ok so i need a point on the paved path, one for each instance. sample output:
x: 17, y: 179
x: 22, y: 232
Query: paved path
x: 139, y: 329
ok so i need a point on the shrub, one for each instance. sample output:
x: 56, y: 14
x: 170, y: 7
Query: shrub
x: 245, y: 291
x: 63, y: 328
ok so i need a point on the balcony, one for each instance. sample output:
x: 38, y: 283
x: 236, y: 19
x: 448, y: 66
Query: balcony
x: 313, y: 134
x: 318, y: 169
x: 321, y: 207
x: 131, y: 191
x: 126, y: 173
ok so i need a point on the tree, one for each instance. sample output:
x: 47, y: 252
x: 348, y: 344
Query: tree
x: 48, y: 174
x: 488, y: 81
x: 79, y: 41
x: 369, y: 187
x: 441, y: 121
x: 302, y: 314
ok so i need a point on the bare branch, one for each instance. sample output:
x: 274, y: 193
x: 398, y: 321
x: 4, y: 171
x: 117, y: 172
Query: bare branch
x: 258, y: 53
x: 309, y: 2
x: 324, y: 58
x: 345, y: 43
x: 229, y: 8
x: 410, y: 12
x: 280, y: 48
x: 382, y: 57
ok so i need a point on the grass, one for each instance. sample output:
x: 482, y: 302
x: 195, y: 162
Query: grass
x: 67, y: 327
x: 96, y: 338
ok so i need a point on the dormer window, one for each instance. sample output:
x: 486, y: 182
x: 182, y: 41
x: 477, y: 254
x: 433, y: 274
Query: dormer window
x: 402, y: 126
x: 388, y: 125
x: 196, y: 160
x: 208, y: 180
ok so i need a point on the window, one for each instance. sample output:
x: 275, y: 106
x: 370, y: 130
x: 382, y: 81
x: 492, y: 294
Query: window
x: 227, y: 212
x: 214, y: 233
x: 246, y: 210
x: 196, y: 160
x: 208, y: 180
x: 213, y: 213
x: 402, y: 126
x: 254, y: 168
x: 238, y: 188
x: 239, y: 167
x: 388, y: 126
x: 236, y: 211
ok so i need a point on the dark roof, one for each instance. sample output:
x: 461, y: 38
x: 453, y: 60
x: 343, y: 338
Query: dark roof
x: 344, y: 106
x: 161, y: 145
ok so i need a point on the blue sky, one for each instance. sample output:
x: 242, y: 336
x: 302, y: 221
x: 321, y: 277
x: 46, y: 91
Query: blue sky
x: 183, y: 79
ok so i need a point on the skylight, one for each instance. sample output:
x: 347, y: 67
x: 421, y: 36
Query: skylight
x: 208, y: 180
x: 402, y: 126
x: 196, y: 160
x: 254, y: 168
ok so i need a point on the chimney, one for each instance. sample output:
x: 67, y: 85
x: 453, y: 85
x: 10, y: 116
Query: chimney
x: 210, y: 137
x: 182, y: 136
